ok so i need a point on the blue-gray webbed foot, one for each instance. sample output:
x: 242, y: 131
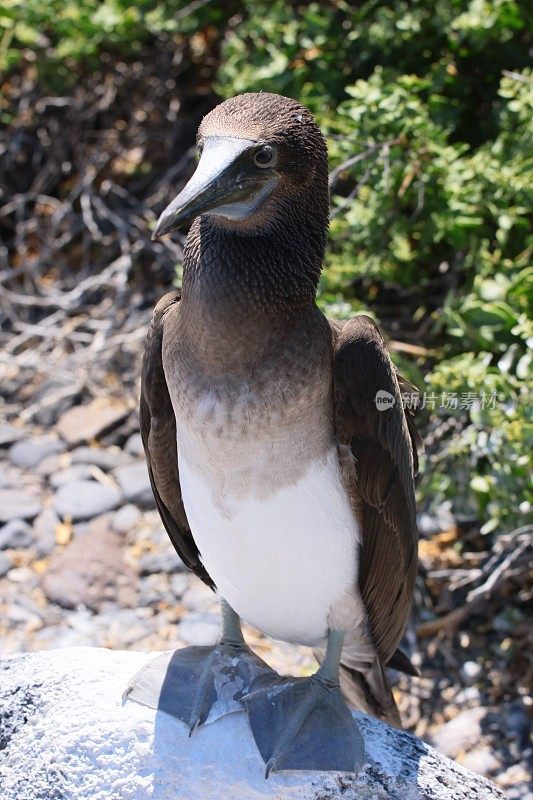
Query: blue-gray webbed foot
x: 200, y: 684
x: 304, y: 724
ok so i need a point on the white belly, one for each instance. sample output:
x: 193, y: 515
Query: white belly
x: 282, y: 561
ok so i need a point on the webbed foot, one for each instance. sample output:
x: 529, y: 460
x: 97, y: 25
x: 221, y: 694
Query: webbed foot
x: 200, y: 684
x: 304, y: 724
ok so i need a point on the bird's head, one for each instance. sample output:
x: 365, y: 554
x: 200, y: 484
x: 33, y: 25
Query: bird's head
x: 261, y: 157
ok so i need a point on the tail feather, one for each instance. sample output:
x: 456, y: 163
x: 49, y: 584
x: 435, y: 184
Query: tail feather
x: 370, y: 692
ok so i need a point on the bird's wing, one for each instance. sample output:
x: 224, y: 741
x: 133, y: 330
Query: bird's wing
x: 380, y: 457
x: 158, y: 431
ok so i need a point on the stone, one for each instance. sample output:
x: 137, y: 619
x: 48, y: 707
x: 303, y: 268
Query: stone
x: 27, y: 453
x: 84, y: 499
x: 199, y: 629
x: 5, y: 564
x: 482, y: 760
x: 471, y: 671
x: 44, y: 528
x: 9, y: 434
x: 107, y: 459
x: 76, y: 472
x: 89, y: 571
x: 16, y: 535
x: 65, y: 733
x: 83, y: 423
x: 179, y: 584
x: 168, y: 561
x: 126, y: 518
x: 134, y: 481
x: 134, y: 445
x: 18, y: 504
x: 461, y: 733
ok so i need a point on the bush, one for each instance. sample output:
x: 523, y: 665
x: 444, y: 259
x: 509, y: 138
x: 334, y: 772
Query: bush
x: 427, y: 108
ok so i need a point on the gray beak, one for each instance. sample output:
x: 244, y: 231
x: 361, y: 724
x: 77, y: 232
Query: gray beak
x: 226, y: 182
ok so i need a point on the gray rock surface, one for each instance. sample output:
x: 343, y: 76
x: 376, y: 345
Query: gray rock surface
x: 83, y: 499
x: 90, y: 570
x: 17, y: 534
x: 134, y: 481
x: 18, y: 504
x: 66, y: 735
x: 30, y: 452
x: 83, y: 423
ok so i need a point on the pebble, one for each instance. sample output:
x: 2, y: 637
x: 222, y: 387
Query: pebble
x: 126, y: 518
x: 75, y: 472
x: 179, y: 583
x: 90, y: 570
x: 82, y: 499
x: 134, y: 445
x: 83, y: 423
x: 199, y: 597
x: 10, y: 434
x: 16, y: 535
x: 5, y: 564
x: 30, y: 452
x: 18, y: 504
x: 152, y: 563
x: 107, y: 459
x: 471, y: 671
x: 199, y: 629
x: 134, y: 481
x: 482, y: 761
x: 44, y: 528
x: 461, y: 733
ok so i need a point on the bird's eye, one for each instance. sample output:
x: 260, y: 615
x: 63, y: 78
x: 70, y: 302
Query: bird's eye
x: 199, y: 148
x: 264, y: 157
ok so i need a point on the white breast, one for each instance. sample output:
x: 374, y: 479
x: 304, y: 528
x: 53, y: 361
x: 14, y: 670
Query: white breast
x: 283, y: 561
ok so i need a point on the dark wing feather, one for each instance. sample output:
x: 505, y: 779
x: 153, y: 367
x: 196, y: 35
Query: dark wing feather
x: 381, y: 479
x: 158, y: 432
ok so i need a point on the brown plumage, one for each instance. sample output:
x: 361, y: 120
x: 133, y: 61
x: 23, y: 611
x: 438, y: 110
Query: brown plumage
x: 248, y: 307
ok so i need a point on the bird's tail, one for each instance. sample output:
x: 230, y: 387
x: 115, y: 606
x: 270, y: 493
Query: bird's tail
x: 370, y: 692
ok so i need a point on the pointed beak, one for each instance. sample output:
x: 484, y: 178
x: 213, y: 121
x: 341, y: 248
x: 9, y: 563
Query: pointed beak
x: 226, y: 182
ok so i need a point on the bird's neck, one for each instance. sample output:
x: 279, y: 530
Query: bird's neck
x: 252, y: 286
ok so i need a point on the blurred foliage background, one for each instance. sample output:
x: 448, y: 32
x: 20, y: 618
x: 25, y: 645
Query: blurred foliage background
x: 428, y: 112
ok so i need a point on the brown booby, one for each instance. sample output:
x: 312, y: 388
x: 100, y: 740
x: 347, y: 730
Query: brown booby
x: 280, y: 478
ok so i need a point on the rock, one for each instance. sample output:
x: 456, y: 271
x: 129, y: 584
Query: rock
x: 167, y: 561
x: 126, y: 518
x: 471, y: 671
x: 76, y: 472
x: 134, y: 481
x: 10, y: 434
x: 85, y: 499
x: 90, y: 570
x: 30, y: 452
x: 83, y: 423
x: 65, y: 733
x: 44, y: 528
x: 179, y: 584
x: 5, y: 564
x: 16, y: 535
x: 460, y: 733
x: 105, y: 459
x: 199, y: 629
x: 483, y: 761
x: 134, y: 445
x: 18, y: 504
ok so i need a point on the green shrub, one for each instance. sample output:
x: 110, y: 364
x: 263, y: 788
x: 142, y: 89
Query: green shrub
x: 429, y: 106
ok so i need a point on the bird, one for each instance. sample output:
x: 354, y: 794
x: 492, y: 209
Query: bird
x: 280, y: 454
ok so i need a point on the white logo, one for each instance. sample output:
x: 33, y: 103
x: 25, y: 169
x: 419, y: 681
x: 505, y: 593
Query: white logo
x: 384, y: 400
